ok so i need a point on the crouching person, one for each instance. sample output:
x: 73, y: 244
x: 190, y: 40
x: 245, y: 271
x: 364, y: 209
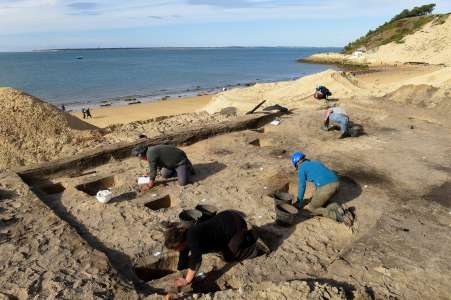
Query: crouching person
x: 326, y: 183
x: 169, y: 159
x: 225, y: 233
x: 337, y: 116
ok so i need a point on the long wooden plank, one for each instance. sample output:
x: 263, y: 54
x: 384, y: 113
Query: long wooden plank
x: 96, y: 157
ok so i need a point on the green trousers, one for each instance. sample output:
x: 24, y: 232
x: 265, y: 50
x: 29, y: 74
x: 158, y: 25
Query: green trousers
x: 320, y: 198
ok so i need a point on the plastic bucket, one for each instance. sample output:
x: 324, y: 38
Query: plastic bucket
x: 356, y: 130
x: 190, y: 217
x: 286, y: 214
x: 207, y: 211
x: 104, y: 196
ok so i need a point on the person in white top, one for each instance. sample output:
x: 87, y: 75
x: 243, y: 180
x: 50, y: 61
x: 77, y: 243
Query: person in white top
x: 337, y: 116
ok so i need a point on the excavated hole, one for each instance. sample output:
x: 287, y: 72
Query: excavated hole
x: 255, y: 142
x: 160, y: 203
x: 75, y: 175
x: 148, y: 270
x: 262, y: 142
x: 91, y: 188
x: 285, y: 188
x: 259, y: 130
x: 53, y: 189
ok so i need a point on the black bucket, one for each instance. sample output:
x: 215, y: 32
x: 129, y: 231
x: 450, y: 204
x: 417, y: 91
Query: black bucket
x: 282, y: 198
x: 286, y: 214
x: 190, y: 217
x: 356, y: 130
x: 208, y: 211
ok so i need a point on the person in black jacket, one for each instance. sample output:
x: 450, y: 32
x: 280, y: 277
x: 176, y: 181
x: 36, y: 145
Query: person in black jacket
x: 225, y: 233
x: 169, y: 159
x: 322, y: 92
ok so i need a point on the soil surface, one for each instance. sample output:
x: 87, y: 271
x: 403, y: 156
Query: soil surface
x: 57, y: 241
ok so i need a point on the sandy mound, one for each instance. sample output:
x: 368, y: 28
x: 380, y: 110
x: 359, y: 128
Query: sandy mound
x: 31, y: 129
x: 430, y: 45
x: 288, y: 92
x: 413, y: 94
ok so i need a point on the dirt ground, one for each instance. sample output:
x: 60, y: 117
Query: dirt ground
x: 56, y: 241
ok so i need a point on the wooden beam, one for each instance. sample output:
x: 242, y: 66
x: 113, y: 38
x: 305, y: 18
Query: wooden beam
x: 255, y: 108
x: 93, y: 158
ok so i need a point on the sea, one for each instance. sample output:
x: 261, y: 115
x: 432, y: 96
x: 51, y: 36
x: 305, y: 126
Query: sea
x: 105, y: 77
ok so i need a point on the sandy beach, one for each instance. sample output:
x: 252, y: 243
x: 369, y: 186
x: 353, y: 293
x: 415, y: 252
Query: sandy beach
x: 103, y: 117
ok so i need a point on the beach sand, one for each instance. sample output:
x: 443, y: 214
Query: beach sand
x: 103, y: 117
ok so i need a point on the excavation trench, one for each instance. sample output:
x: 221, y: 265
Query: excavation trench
x: 160, y: 203
x: 91, y: 188
x: 52, y: 189
x: 147, y: 269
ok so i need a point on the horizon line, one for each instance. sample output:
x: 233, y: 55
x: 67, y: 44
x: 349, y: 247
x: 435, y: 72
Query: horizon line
x: 160, y: 47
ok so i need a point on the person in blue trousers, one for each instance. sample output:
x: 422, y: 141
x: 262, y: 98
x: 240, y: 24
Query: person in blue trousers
x: 326, y: 183
x: 337, y: 116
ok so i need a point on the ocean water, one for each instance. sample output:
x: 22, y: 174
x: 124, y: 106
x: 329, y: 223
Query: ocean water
x: 92, y: 77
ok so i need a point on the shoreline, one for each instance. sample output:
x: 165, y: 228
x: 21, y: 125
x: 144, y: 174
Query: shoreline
x: 118, y: 101
x: 170, y: 106
x: 123, y: 114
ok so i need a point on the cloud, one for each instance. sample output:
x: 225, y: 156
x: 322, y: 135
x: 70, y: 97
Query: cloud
x: 250, y: 3
x: 83, y: 5
x: 40, y: 16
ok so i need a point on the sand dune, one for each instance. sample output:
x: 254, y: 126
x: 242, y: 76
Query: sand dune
x: 342, y: 85
x: 430, y: 45
x: 31, y: 129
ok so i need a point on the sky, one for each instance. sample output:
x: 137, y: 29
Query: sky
x: 48, y: 24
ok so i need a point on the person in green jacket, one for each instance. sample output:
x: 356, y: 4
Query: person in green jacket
x: 169, y: 159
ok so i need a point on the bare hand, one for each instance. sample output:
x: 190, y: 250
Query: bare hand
x: 147, y: 187
x: 180, y: 282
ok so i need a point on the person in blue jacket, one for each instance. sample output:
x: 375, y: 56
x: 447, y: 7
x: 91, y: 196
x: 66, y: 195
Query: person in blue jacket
x: 326, y: 183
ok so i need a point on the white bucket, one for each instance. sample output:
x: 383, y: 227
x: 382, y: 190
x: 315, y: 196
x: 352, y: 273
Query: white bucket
x: 104, y: 196
x: 143, y: 180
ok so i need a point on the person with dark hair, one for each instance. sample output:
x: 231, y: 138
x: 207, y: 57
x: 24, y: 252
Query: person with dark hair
x: 83, y: 111
x: 169, y: 159
x: 224, y: 233
x: 322, y: 92
x: 88, y: 113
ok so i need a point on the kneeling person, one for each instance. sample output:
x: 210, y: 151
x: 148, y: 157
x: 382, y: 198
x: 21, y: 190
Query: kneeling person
x: 326, y: 183
x: 337, y: 116
x: 171, y: 160
x: 225, y: 233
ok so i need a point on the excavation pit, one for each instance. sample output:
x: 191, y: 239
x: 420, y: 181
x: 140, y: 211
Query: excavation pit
x: 91, y: 188
x: 52, y: 189
x: 262, y: 142
x: 255, y: 143
x: 259, y: 130
x: 149, y: 274
x: 75, y: 175
x: 160, y: 203
x: 147, y: 269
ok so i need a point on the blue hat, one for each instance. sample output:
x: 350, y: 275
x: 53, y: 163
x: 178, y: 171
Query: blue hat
x: 296, y: 157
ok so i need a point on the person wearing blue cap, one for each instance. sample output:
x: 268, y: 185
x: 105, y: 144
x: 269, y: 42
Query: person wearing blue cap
x: 326, y: 183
